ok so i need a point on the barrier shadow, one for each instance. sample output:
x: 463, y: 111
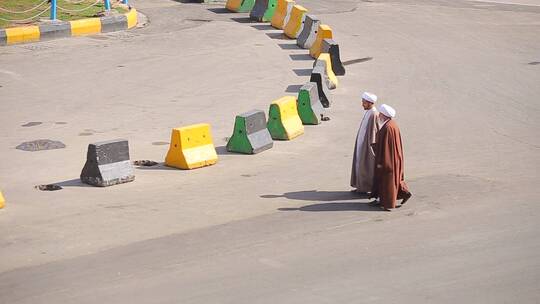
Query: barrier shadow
x: 322, y: 196
x: 222, y: 150
x: 340, y: 206
x: 293, y: 88
x: 359, y: 60
x: 76, y: 182
x: 303, y: 72
x: 159, y: 166
x: 220, y: 10
x: 301, y: 57
x: 263, y: 27
x: 289, y: 46
x: 244, y: 20
x: 280, y: 36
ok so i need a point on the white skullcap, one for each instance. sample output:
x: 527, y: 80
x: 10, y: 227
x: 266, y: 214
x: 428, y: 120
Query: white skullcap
x: 387, y: 110
x: 369, y: 97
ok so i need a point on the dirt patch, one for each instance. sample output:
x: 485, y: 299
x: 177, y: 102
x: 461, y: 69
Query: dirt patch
x: 49, y: 187
x: 145, y: 163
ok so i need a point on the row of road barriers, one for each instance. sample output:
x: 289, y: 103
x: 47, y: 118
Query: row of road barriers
x: 108, y: 163
x: 192, y: 146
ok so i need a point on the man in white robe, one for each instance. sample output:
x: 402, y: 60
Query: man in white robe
x: 363, y: 165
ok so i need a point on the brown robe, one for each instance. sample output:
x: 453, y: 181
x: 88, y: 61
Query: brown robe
x: 389, y: 180
x: 363, y: 165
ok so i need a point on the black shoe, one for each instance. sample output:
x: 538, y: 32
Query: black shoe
x: 406, y: 198
x: 374, y: 203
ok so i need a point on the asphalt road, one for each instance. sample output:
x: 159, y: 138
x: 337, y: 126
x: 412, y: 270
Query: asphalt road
x: 280, y: 226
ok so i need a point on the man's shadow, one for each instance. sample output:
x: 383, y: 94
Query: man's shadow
x: 336, y: 201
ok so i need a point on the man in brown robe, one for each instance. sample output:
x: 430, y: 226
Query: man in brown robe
x: 363, y: 165
x: 388, y: 182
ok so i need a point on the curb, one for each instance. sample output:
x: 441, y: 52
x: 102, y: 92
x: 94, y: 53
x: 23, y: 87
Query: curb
x: 65, y: 29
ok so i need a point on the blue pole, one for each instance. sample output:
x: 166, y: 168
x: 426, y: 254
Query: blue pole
x: 107, y: 4
x: 53, y: 9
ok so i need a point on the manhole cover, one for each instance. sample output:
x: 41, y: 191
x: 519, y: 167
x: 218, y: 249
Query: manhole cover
x: 40, y: 144
x: 145, y: 163
x: 50, y: 187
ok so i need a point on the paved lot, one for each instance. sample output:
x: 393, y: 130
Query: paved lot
x: 281, y: 226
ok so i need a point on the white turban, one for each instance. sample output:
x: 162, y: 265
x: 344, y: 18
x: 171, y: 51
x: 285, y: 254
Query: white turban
x: 369, y: 97
x: 387, y: 110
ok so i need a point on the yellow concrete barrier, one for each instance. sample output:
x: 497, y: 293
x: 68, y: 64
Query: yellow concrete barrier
x: 132, y: 18
x: 329, y: 71
x: 283, y: 120
x: 324, y: 32
x: 2, y: 201
x: 85, y: 27
x: 283, y: 7
x: 22, y: 34
x: 191, y: 147
x: 292, y: 27
x: 233, y: 5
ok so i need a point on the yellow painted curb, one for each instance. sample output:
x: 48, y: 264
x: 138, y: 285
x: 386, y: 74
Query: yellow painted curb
x: 132, y: 18
x: 22, y: 34
x: 85, y: 26
x: 2, y: 201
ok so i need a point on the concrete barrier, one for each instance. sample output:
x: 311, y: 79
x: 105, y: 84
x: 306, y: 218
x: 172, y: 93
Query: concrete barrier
x: 322, y: 64
x: 60, y: 29
x: 283, y: 120
x: 294, y: 25
x: 191, y: 147
x: 283, y: 8
x: 323, y: 32
x: 318, y: 75
x: 263, y: 11
x: 332, y: 48
x: 2, y: 201
x: 309, y: 105
x: 107, y: 164
x: 324, y: 61
x: 250, y: 135
x: 309, y: 32
x: 240, y: 6
x: 233, y: 5
x: 288, y: 15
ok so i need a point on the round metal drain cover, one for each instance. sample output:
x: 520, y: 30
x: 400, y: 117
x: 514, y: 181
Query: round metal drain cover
x: 40, y: 144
